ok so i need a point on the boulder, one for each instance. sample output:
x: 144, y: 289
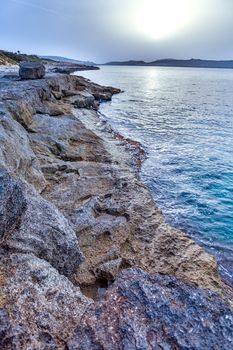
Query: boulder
x: 143, y: 311
x: 31, y: 70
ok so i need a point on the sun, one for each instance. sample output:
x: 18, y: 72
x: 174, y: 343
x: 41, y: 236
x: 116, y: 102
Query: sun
x: 158, y: 19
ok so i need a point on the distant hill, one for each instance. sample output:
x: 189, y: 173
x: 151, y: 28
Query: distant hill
x: 127, y: 63
x: 5, y: 60
x: 11, y: 58
x: 68, y: 60
x: 177, y: 63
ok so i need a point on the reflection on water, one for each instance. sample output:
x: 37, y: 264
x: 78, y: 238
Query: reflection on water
x: 184, y: 118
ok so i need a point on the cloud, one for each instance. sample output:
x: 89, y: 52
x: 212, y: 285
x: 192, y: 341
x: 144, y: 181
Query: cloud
x: 39, y: 7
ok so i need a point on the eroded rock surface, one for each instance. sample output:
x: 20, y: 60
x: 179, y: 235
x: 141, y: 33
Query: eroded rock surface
x: 12, y: 205
x: 153, y: 312
x: 39, y: 253
x: 16, y: 154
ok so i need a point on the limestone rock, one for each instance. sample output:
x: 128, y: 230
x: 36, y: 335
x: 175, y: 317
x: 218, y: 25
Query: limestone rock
x: 142, y: 311
x: 57, y: 94
x: 21, y: 111
x: 54, y: 108
x: 12, y: 336
x: 39, y: 254
x: 65, y: 138
x: 89, y: 178
x: 31, y: 70
x: 68, y: 69
x: 69, y: 93
x: 102, y: 96
x: 34, y: 225
x: 109, y: 270
x: 118, y: 225
x: 93, y: 205
x: 39, y: 308
x: 16, y: 154
x: 12, y: 205
x: 82, y: 100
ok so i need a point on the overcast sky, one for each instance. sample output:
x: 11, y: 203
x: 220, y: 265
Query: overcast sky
x: 104, y: 30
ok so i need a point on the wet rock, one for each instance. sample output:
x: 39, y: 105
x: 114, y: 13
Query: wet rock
x: 142, y: 311
x: 103, y: 96
x: 31, y: 70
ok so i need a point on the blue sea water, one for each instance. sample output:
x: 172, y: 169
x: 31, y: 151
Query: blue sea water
x: 184, y: 119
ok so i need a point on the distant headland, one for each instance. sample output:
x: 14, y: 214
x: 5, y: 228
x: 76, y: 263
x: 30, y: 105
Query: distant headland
x: 170, y: 62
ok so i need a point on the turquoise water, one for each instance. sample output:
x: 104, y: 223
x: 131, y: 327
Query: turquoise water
x: 184, y: 119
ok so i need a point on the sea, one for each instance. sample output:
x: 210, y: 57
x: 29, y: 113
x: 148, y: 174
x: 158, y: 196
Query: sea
x: 183, y: 117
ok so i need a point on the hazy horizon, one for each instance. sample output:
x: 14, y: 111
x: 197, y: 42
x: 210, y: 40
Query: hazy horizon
x: 119, y: 30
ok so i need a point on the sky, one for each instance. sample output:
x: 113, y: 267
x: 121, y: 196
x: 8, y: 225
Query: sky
x: 107, y: 30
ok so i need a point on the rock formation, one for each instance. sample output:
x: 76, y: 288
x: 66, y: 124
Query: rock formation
x: 67, y: 67
x: 74, y: 214
x: 142, y: 311
x: 31, y: 70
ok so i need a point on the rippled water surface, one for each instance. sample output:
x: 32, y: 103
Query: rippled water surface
x: 184, y: 119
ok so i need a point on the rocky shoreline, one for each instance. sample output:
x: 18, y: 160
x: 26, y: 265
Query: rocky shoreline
x: 87, y: 261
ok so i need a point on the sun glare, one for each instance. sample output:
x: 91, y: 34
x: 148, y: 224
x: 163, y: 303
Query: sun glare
x: 158, y: 19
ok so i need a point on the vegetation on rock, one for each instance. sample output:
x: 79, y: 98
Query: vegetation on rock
x: 10, y: 58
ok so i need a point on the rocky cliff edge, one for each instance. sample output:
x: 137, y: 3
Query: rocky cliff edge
x: 75, y: 217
